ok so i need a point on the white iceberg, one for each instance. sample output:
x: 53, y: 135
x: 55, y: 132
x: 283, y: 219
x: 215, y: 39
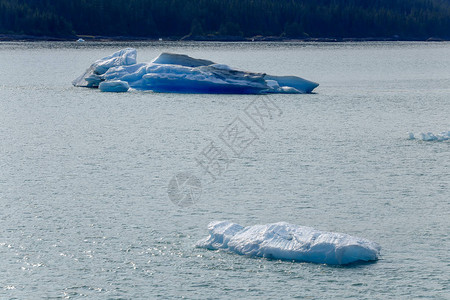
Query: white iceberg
x: 184, y: 74
x: 431, y: 137
x: 289, y: 242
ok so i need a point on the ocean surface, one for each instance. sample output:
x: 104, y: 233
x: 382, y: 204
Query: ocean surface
x: 87, y: 208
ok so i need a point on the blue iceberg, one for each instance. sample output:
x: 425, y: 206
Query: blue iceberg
x: 431, y: 137
x: 183, y: 74
x: 289, y: 242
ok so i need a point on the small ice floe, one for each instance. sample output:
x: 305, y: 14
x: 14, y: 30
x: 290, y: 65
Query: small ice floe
x: 289, y: 242
x: 80, y: 40
x: 431, y: 137
x: 115, y: 86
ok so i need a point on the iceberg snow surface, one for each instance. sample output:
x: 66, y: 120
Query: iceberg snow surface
x: 183, y: 74
x: 289, y: 242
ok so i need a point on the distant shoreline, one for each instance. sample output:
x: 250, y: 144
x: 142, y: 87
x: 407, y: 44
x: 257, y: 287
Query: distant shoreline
x: 91, y: 38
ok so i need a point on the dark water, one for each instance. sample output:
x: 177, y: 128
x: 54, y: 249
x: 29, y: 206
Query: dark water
x: 83, y: 174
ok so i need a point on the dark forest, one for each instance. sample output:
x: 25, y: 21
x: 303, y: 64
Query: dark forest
x: 244, y: 18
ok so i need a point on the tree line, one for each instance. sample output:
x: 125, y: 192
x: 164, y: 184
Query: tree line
x: 247, y: 18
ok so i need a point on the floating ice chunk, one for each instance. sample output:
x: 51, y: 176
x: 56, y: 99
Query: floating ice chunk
x: 431, y: 137
x: 184, y: 74
x: 115, y: 86
x: 289, y: 242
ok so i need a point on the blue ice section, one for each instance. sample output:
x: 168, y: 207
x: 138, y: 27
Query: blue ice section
x: 114, y: 86
x: 289, y: 242
x: 183, y: 74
